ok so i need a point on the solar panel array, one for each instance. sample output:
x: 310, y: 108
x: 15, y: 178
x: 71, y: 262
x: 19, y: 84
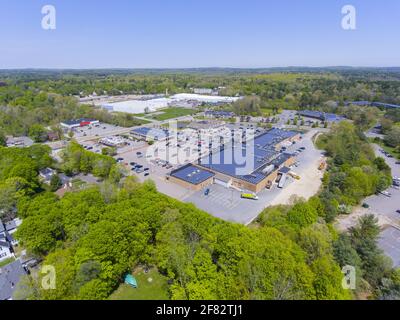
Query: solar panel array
x: 374, y: 104
x: 154, y: 133
x: 221, y: 113
x: 323, y: 116
x: 261, y: 154
x: 192, y: 174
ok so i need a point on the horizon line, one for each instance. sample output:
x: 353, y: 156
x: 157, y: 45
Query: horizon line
x: 191, y: 68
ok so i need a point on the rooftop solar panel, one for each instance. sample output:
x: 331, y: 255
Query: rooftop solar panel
x: 192, y: 174
x: 264, y: 153
x: 151, y: 132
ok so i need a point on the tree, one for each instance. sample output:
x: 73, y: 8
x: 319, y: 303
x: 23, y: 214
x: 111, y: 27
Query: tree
x: 302, y: 215
x: 55, y: 182
x: 392, y: 139
x: 38, y: 133
x: 3, y: 140
x: 364, y: 238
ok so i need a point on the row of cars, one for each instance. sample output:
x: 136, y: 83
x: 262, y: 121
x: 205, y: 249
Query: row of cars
x: 138, y: 168
x: 387, y: 154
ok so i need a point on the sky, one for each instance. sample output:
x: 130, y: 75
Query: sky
x: 198, y: 33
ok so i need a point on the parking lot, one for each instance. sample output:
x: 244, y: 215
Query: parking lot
x: 135, y: 155
x: 389, y: 242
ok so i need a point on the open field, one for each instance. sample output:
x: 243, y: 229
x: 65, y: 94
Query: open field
x: 151, y: 286
x: 170, y: 113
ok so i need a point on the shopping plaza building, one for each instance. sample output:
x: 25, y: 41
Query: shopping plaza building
x: 264, y: 157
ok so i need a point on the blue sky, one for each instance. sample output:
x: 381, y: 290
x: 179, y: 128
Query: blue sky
x: 198, y: 33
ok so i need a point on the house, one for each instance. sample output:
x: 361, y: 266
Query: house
x: 7, y: 240
x: 5, y: 249
x: 46, y: 175
x: 9, y: 278
x: 11, y: 227
x: 53, y: 136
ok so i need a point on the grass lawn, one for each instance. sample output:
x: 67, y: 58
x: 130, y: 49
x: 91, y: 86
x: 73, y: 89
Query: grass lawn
x: 156, y: 289
x: 6, y: 261
x: 171, y: 113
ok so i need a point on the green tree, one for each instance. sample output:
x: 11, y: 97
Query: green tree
x: 55, y: 182
x: 38, y: 133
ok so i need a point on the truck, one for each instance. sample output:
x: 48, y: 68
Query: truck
x: 250, y: 196
x: 282, y: 181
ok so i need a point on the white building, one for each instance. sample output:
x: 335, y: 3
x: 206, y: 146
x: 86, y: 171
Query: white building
x: 76, y: 123
x: 5, y: 245
x: 180, y: 99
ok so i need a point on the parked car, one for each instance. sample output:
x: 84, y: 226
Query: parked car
x: 387, y: 194
x: 146, y: 174
x: 206, y: 193
x: 365, y: 205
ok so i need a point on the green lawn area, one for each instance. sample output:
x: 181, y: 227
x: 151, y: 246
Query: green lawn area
x: 171, y: 113
x: 6, y: 261
x: 156, y: 289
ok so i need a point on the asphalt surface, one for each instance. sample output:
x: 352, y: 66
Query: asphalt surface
x: 385, y: 206
x: 389, y: 242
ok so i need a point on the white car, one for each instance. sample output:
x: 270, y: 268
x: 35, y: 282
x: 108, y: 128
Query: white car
x: 387, y: 194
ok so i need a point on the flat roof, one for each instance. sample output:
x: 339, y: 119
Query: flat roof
x: 192, y: 174
x: 151, y: 132
x: 78, y: 121
x: 220, y: 113
x: 264, y: 154
x: 374, y: 104
x: 323, y: 116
